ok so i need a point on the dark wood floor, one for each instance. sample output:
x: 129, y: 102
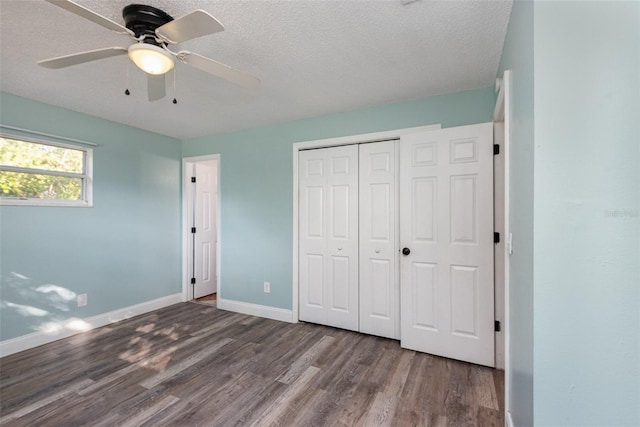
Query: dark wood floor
x: 191, y: 364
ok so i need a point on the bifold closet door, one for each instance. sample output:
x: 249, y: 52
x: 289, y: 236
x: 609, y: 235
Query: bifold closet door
x: 328, y: 236
x: 446, y: 234
x: 379, y: 291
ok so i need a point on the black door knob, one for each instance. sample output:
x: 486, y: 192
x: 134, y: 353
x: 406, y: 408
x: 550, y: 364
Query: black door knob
x: 406, y: 251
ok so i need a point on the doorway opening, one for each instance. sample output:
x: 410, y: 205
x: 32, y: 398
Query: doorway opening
x: 200, y: 225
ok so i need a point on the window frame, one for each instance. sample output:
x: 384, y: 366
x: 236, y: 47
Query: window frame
x: 86, y: 177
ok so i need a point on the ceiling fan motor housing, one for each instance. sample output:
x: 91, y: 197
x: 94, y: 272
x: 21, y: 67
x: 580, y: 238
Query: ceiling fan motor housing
x: 143, y: 21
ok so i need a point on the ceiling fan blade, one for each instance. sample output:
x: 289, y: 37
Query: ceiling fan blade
x: 195, y: 24
x: 91, y: 16
x: 156, y: 86
x: 218, y: 69
x: 82, y: 57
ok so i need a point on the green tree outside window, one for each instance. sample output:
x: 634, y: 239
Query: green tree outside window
x: 40, y: 158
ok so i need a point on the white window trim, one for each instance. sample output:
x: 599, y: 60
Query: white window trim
x: 87, y: 177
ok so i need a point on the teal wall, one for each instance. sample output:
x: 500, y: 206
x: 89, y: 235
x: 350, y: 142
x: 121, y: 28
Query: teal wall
x: 123, y: 251
x: 517, y: 56
x: 587, y: 225
x: 575, y: 202
x: 256, y: 184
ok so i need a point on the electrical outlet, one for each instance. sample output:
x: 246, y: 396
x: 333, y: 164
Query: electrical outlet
x: 267, y: 287
x: 82, y: 300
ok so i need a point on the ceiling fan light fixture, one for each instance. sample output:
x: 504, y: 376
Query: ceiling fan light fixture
x: 150, y: 58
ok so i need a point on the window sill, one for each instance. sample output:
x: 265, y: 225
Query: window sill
x: 45, y: 203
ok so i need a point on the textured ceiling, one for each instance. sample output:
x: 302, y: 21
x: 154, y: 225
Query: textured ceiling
x: 313, y: 57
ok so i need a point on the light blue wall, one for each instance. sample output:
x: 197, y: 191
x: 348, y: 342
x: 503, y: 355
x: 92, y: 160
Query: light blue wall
x: 256, y: 184
x: 517, y: 56
x: 587, y: 225
x: 125, y: 250
x: 575, y: 201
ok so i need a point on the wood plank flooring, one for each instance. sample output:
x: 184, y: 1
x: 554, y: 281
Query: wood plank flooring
x: 194, y: 365
x: 208, y: 299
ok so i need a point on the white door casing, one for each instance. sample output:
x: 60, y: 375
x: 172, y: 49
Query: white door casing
x: 499, y: 248
x: 328, y: 269
x: 379, y: 287
x: 446, y: 221
x: 205, y: 211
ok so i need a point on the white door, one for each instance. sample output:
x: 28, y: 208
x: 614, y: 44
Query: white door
x: 205, y: 211
x: 446, y: 222
x: 328, y: 247
x: 379, y: 292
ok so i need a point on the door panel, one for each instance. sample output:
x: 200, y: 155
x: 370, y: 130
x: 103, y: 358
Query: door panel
x: 464, y: 300
x: 380, y: 271
x: 315, y: 278
x: 339, y: 284
x: 312, y: 236
x: 342, y: 242
x: 206, y: 188
x: 446, y: 205
x: 339, y: 209
x: 315, y: 217
x: 463, y: 209
x: 424, y: 296
x: 379, y: 292
x: 424, y: 207
x: 328, y: 212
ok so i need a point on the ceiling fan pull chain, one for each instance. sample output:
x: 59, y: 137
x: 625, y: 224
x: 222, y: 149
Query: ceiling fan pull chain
x: 175, y: 101
x: 126, y: 91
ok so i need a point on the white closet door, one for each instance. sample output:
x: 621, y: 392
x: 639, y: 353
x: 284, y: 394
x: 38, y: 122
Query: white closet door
x: 446, y: 221
x: 379, y: 292
x: 205, y: 223
x: 312, y: 235
x: 328, y: 258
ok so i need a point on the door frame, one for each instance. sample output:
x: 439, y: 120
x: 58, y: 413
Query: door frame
x: 186, y: 226
x: 324, y: 143
x: 502, y: 114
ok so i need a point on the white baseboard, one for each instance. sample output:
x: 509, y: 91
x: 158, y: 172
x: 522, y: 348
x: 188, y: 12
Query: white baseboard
x: 76, y: 326
x: 509, y: 420
x: 273, y: 313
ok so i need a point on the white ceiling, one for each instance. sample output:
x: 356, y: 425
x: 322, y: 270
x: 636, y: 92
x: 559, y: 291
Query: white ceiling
x: 313, y: 57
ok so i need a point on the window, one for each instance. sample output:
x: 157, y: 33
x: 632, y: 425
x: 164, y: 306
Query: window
x: 44, y: 173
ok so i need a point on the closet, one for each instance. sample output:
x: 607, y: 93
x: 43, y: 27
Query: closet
x: 396, y: 239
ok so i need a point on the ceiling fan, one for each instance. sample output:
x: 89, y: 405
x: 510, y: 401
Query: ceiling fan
x: 153, y: 31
